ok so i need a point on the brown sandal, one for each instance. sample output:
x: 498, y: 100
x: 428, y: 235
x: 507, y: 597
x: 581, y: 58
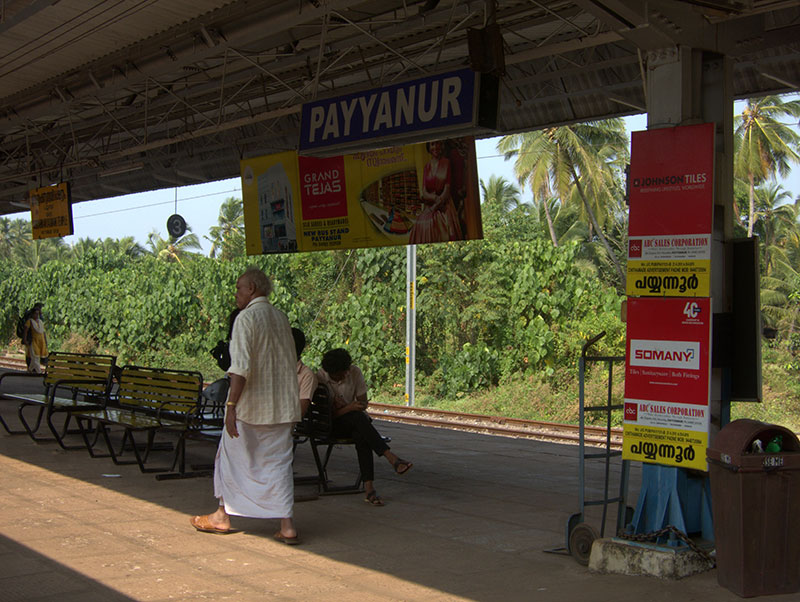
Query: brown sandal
x: 290, y: 541
x: 373, y: 498
x: 202, y: 523
x: 402, y: 466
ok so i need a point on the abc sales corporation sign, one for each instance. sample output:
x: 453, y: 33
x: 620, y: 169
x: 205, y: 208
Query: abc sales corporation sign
x: 667, y: 382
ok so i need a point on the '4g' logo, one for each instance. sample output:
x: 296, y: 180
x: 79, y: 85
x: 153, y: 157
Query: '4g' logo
x: 691, y: 309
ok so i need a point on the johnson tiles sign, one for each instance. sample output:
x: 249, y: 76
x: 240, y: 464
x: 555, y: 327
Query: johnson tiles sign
x: 671, y: 212
x: 420, y: 109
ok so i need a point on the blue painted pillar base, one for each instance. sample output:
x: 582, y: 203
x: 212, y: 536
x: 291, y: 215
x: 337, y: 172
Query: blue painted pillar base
x: 673, y: 496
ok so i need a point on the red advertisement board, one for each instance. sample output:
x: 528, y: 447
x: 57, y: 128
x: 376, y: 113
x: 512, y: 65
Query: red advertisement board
x: 323, y: 187
x: 671, y: 211
x: 671, y: 180
x: 667, y: 380
x: 668, y: 349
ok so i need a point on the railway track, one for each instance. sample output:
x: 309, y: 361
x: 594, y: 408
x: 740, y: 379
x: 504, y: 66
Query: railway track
x: 476, y: 423
x: 12, y: 363
x: 495, y: 425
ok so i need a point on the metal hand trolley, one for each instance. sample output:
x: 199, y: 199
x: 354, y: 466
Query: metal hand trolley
x: 580, y: 535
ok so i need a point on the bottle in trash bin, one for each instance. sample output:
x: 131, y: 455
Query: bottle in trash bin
x: 775, y: 445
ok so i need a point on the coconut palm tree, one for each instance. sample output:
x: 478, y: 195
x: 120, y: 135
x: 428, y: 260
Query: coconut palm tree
x: 7, y: 238
x: 13, y: 233
x: 775, y: 216
x: 34, y: 253
x: 173, y: 249
x: 780, y: 296
x: 763, y: 145
x: 500, y: 197
x: 126, y: 246
x: 581, y: 159
x: 227, y: 237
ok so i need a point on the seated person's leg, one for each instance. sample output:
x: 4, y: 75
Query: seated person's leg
x: 359, y: 426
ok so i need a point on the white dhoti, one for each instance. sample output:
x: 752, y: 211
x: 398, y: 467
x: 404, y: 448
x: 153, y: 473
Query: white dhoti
x: 253, y: 473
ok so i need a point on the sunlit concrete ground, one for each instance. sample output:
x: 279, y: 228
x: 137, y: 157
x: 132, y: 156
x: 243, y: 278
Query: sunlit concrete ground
x: 471, y: 521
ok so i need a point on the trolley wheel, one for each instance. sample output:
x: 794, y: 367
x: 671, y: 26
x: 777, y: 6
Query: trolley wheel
x: 573, y: 521
x: 580, y: 542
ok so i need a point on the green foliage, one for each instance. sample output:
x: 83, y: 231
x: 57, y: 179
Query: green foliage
x: 473, y: 368
x: 500, y: 322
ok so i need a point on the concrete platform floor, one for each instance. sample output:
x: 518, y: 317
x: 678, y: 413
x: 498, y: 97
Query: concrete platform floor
x: 470, y: 521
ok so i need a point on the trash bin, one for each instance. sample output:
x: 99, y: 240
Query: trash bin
x: 757, y: 531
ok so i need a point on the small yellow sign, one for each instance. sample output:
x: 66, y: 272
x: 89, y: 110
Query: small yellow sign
x: 671, y: 447
x: 677, y: 278
x: 51, y: 211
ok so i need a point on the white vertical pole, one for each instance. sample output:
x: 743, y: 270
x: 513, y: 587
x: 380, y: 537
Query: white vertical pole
x: 411, y: 321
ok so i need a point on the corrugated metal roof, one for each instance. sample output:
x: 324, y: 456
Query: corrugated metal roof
x: 121, y: 96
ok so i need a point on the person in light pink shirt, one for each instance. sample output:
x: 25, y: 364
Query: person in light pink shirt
x: 306, y: 379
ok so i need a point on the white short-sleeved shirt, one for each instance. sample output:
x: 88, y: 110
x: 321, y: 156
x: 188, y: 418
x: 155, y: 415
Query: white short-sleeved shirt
x: 263, y: 352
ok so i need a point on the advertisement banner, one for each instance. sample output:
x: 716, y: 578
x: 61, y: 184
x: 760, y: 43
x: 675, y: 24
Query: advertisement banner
x: 51, y: 211
x: 671, y: 211
x: 411, y: 194
x: 667, y: 381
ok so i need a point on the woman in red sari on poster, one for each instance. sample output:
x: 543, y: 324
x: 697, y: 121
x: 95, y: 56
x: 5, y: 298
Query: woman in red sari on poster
x: 438, y: 221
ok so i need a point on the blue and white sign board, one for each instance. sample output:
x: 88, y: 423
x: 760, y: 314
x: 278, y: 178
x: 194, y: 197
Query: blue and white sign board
x: 428, y: 107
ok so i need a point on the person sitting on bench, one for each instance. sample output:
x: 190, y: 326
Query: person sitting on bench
x: 306, y: 379
x: 349, y: 393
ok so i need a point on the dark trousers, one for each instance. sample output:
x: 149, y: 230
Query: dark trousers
x: 358, y: 426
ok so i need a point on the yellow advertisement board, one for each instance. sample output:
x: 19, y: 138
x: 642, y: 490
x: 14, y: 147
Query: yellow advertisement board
x: 51, y: 211
x: 412, y: 194
x: 691, y: 278
x: 671, y: 447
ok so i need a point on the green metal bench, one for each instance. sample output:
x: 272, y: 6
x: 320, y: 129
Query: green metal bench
x: 148, y: 401
x: 72, y: 381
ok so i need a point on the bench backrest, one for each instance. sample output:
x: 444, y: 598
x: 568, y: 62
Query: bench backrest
x: 160, y: 391
x: 318, y: 421
x: 92, y: 371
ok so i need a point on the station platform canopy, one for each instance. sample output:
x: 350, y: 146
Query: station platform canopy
x: 121, y: 97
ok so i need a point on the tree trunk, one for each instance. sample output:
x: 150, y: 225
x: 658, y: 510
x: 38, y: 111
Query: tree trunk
x: 597, y: 228
x: 550, y: 223
x: 752, y: 212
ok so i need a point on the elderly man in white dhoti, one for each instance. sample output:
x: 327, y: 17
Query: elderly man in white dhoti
x: 253, y: 467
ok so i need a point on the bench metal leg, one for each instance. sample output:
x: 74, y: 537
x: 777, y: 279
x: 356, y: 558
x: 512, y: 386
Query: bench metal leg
x: 178, y: 459
x: 98, y: 431
x: 322, y: 468
x: 179, y: 462
x: 59, y: 435
x: 10, y: 431
x: 31, y: 430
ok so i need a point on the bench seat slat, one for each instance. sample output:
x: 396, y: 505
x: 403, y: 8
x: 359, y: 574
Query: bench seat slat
x: 131, y: 419
x: 161, y: 392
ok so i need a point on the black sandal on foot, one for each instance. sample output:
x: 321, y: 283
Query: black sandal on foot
x: 402, y: 466
x: 373, y: 498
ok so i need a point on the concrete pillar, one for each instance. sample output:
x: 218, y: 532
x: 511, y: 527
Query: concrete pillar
x: 686, y: 86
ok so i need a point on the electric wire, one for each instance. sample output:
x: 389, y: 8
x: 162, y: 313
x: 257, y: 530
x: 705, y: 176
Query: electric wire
x: 189, y: 198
